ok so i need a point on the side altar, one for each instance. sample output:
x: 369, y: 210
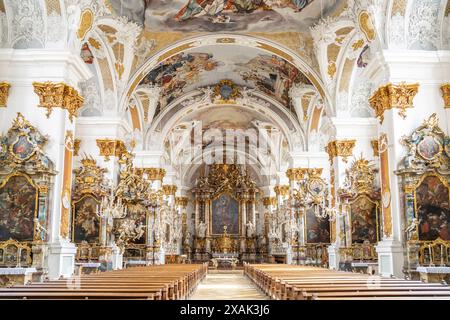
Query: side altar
x: 225, y: 215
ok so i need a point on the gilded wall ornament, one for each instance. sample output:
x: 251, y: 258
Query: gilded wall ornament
x: 223, y: 178
x: 376, y: 152
x: 445, y: 88
x: 58, y: 95
x: 393, y: 96
x: 428, y: 147
x: 111, y: 148
x: 359, y: 178
x: 4, y: 92
x: 89, y: 178
x: 86, y: 22
x: 341, y: 148
x: 76, y: 147
x: 226, y: 91
x: 366, y: 25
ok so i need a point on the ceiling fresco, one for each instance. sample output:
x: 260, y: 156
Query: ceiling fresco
x: 251, y: 68
x: 225, y: 15
x: 235, y: 15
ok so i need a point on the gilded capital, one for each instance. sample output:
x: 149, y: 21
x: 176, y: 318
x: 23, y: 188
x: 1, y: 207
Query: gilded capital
x: 110, y: 148
x: 315, y: 172
x: 296, y: 174
x: 393, y: 96
x: 169, y: 189
x: 58, y: 95
x: 269, y: 201
x: 4, y: 92
x: 181, y: 201
x: 445, y: 88
x: 281, y: 190
x: 341, y: 148
x: 154, y: 174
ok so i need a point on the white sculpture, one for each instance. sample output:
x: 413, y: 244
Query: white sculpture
x: 250, y: 229
x: 201, y: 230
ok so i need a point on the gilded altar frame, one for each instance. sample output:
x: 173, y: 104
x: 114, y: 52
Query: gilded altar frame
x: 359, y: 184
x: 31, y: 163
x: 428, y: 155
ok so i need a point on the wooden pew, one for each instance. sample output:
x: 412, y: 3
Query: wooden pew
x: 307, y: 283
x: 168, y: 282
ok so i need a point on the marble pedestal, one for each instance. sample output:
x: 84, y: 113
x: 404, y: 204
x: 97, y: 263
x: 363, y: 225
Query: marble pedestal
x: 61, y: 259
x: 333, y: 257
x: 390, y: 258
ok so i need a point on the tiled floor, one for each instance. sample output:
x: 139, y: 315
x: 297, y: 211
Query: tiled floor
x: 227, y: 285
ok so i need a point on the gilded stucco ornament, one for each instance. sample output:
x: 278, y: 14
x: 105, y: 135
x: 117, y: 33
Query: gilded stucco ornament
x: 58, y: 95
x: 181, y: 201
x: 341, y: 148
x: 111, y: 148
x: 4, y: 92
x: 445, y: 88
x: 269, y: 201
x: 393, y: 96
x: 296, y: 174
x: 86, y: 22
x: 169, y: 189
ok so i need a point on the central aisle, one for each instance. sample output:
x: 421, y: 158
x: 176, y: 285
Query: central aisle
x: 227, y: 285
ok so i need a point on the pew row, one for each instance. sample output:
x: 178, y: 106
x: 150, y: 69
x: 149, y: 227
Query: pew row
x: 288, y: 282
x: 163, y: 282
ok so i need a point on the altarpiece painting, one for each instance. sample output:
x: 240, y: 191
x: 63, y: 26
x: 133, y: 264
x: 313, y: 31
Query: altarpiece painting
x: 225, y: 212
x: 317, y: 228
x: 18, y: 208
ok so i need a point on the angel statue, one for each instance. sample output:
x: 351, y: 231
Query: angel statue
x: 250, y: 229
x: 410, y: 230
x: 201, y: 230
x: 39, y: 229
x: 139, y: 230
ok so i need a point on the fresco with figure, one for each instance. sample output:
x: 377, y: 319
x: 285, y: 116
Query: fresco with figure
x: 225, y: 212
x: 86, y: 223
x: 317, y: 229
x: 250, y: 69
x: 177, y: 72
x: 433, y: 211
x: 364, y: 220
x: 17, y: 209
x: 235, y: 15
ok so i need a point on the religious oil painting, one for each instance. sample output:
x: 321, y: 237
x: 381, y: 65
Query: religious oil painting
x: 18, y: 206
x: 225, y: 212
x: 429, y: 148
x: 139, y: 217
x: 86, y: 223
x: 317, y: 228
x: 364, y: 220
x: 23, y: 148
x: 432, y: 205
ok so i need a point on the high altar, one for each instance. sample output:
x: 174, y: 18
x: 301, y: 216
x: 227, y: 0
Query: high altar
x: 225, y: 215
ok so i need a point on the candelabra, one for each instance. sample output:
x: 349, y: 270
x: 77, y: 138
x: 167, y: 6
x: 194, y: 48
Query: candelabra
x: 107, y: 212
